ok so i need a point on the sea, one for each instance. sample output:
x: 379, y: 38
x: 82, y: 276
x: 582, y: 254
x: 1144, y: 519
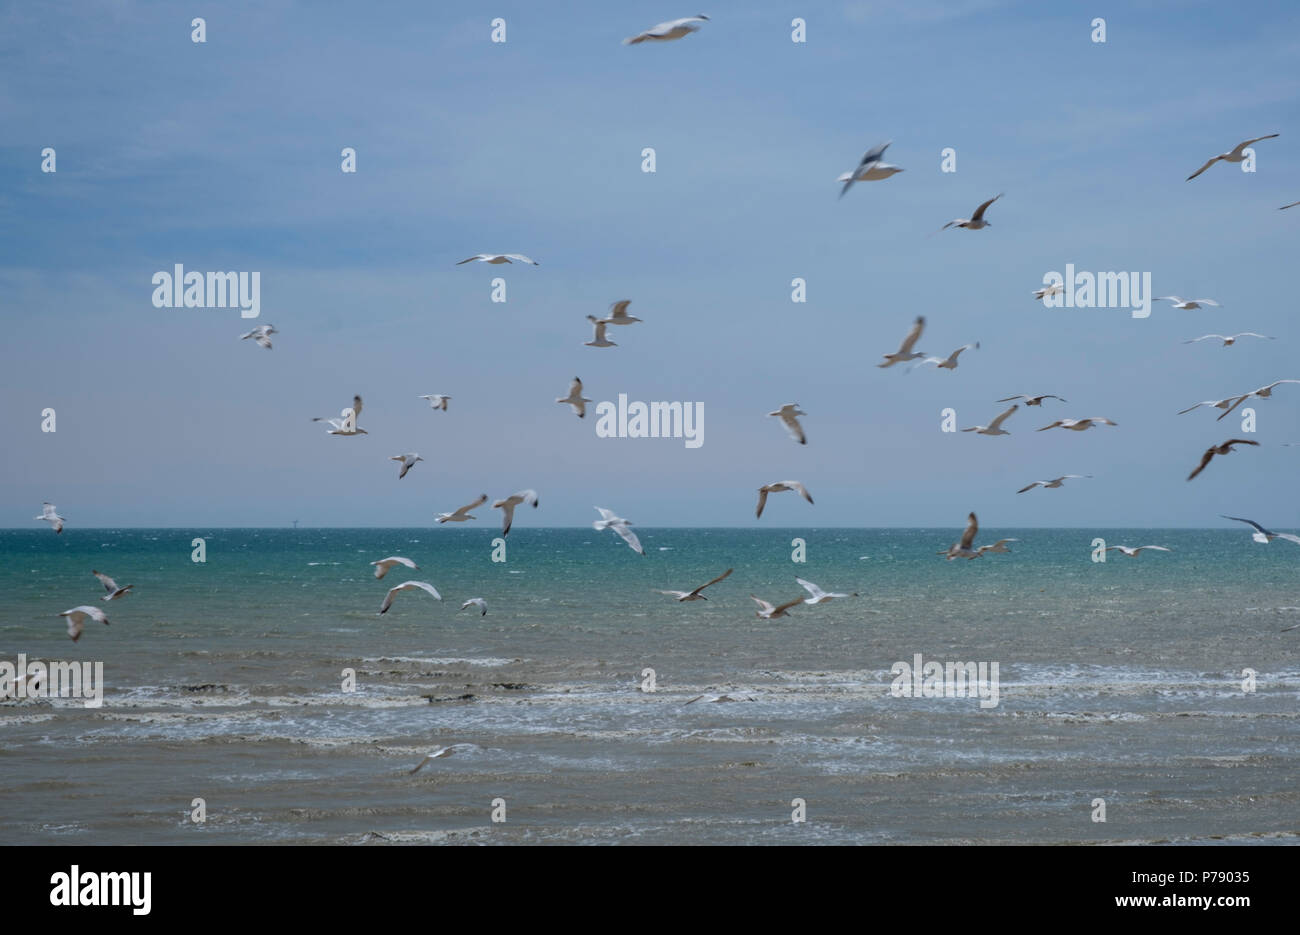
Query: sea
x: 258, y: 697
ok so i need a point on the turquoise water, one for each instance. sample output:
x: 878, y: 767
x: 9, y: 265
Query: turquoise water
x: 224, y: 680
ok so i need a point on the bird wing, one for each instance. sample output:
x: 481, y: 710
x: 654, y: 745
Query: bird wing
x: 972, y: 527
x: 1240, y: 400
x: 469, y: 506
x: 803, y: 491
x: 811, y: 588
x: 477, y: 256
x: 714, y: 581
x: 522, y: 259
x: 912, y: 336
x: 1036, y: 483
x: 1208, y: 163
x: 1206, y: 302
x: 997, y: 423
x: 1206, y: 337
x: 606, y: 514
x: 776, y: 612
x: 795, y: 429
x: 1009, y: 398
x: 1238, y: 441
x: 109, y: 584
x: 629, y: 537
x: 1158, y: 548
x: 763, y: 605
x: 762, y: 502
x: 874, y: 154
x: 1249, y: 522
x: 1289, y: 537
x: 1205, y: 459
x: 1240, y: 147
x: 356, y: 407
x: 619, y: 309
x: 979, y: 212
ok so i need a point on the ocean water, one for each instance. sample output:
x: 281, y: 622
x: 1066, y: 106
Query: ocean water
x: 1119, y: 681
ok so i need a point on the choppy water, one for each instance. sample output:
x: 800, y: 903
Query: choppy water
x: 1119, y: 681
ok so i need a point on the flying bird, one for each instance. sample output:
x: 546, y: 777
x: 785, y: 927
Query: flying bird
x: 999, y: 546
x: 1187, y: 303
x: 598, y: 339
x: 768, y: 611
x: 507, y: 507
x: 962, y: 548
x: 949, y: 363
x: 384, y: 564
x: 114, y: 592
x: 340, y: 425
x: 437, y: 400
x: 406, y: 586
x: 436, y: 754
x: 1264, y: 392
x: 905, y: 352
x: 1033, y: 400
x: 1052, y: 484
x: 618, y: 314
x: 1225, y: 448
x: 779, y: 487
x: 408, y: 461
x: 77, y: 618
x: 577, y: 402
x: 261, y: 334
x: 1132, y: 552
x: 817, y: 595
x: 462, y: 514
x: 1055, y: 288
x: 475, y: 602
x: 787, y: 414
x: 1226, y: 404
x: 665, y: 32
x: 870, y: 169
x: 498, y: 258
x: 1077, y: 425
x: 621, y: 526
x: 1229, y: 339
x: 975, y: 221
x: 695, y: 595
x: 1236, y: 154
x: 1283, y: 208
x: 50, y: 516
x: 1263, y: 535
x: 717, y: 698
x: 994, y: 427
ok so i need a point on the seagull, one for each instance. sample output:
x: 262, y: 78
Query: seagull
x: 51, y: 517
x: 408, y: 461
x: 507, y: 506
x: 787, y: 415
x: 1235, y: 155
x: 1132, y: 552
x: 261, y: 334
x: 994, y: 427
x: 1077, y: 425
x: 1033, y: 400
x: 498, y: 258
x: 695, y: 595
x: 439, y: 752
x: 1229, y: 339
x: 1054, y: 483
x: 1227, y: 404
x: 818, y: 596
x: 1055, y: 288
x: 617, y: 523
x: 1225, y: 448
x: 618, y: 314
x: 975, y: 221
x: 114, y: 592
x: 575, y: 399
x: 870, y: 169
x: 77, y: 616
x: 437, y: 400
x: 951, y: 362
x: 1264, y: 392
x: 768, y: 611
x: 664, y: 32
x: 999, y: 546
x: 340, y: 424
x: 406, y: 586
x: 779, y: 487
x: 1264, y: 535
x: 1283, y: 208
x: 384, y: 564
x: 462, y: 514
x: 905, y: 352
x: 717, y: 698
x: 962, y: 549
x: 1187, y: 303
x: 475, y: 602
x: 599, y: 339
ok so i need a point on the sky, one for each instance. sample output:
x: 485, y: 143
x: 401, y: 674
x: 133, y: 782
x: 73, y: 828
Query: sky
x: 226, y: 156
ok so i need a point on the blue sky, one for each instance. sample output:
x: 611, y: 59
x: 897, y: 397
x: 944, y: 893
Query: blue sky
x: 226, y: 156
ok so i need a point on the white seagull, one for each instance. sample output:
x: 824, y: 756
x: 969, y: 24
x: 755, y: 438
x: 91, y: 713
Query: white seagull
x: 618, y: 314
x: 384, y: 564
x: 406, y: 586
x: 695, y: 595
x: 1264, y: 392
x: 817, y: 595
x: 1077, y: 425
x: 779, y: 487
x: 261, y: 334
x: 462, y: 514
x: 1230, y: 339
x: 475, y: 602
x: 787, y: 414
x: 436, y: 754
x: 575, y: 399
x: 1264, y: 535
x: 975, y: 221
x: 949, y: 363
x: 1054, y: 289
x: 664, y: 32
x: 77, y: 617
x: 1236, y: 154
x: 340, y: 425
x: 768, y: 611
x: 617, y: 523
x: 905, y: 352
x: 999, y: 546
x: 507, y: 507
x: 114, y: 592
x: 1132, y: 552
x: 498, y: 258
x: 1226, y: 404
x: 994, y: 427
x: 870, y: 169
x: 962, y: 548
x: 1033, y: 400
x: 50, y: 516
x: 408, y: 461
x: 1187, y: 303
x: 1051, y: 484
x: 598, y: 339
x: 437, y: 400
